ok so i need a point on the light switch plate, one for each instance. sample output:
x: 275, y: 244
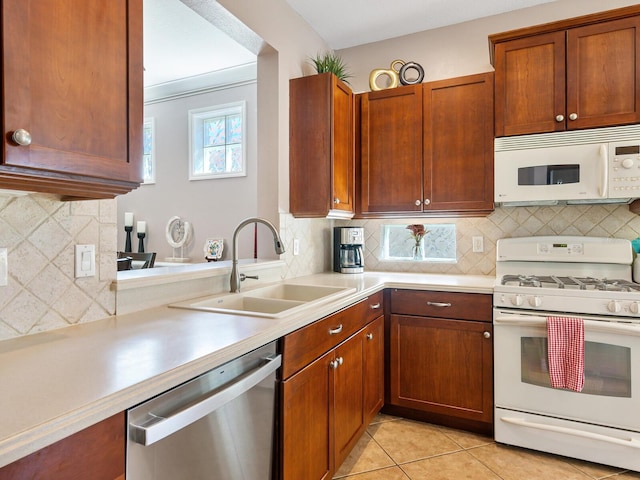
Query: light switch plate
x: 85, y: 261
x: 4, y: 267
x: 478, y: 244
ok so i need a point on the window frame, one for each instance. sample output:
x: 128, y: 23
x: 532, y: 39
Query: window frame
x: 149, y: 122
x: 196, y: 134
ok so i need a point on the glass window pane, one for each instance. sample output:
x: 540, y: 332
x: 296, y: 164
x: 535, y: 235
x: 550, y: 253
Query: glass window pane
x: 234, y: 158
x: 437, y: 245
x: 214, y: 160
x: 234, y: 129
x: 214, y: 131
x: 147, y: 139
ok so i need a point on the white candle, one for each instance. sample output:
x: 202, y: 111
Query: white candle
x: 128, y: 219
x: 142, y: 227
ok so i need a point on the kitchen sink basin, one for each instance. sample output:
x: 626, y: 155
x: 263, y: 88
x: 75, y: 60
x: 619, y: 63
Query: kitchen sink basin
x: 272, y: 301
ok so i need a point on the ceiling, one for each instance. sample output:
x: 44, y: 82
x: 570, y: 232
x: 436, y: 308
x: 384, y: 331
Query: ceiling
x: 179, y: 43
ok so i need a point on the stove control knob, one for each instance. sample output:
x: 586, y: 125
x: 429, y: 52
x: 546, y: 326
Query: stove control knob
x: 614, y: 306
x: 535, y: 301
x: 517, y: 300
x: 634, y: 307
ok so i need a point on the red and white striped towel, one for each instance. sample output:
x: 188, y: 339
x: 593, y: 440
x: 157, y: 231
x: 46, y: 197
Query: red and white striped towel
x: 565, y: 340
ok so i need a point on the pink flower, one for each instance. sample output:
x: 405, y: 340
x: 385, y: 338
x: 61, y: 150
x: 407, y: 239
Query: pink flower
x: 417, y: 232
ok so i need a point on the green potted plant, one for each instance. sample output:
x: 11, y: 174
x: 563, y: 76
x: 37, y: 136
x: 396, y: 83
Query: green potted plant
x: 332, y: 63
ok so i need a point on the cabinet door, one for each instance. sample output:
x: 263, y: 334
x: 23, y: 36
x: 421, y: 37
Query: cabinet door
x: 321, y: 146
x: 530, y: 84
x: 458, y: 144
x: 348, y: 399
x: 603, y: 81
x: 307, y: 445
x: 373, y: 369
x: 442, y: 366
x: 391, y: 151
x: 72, y: 73
x: 97, y: 452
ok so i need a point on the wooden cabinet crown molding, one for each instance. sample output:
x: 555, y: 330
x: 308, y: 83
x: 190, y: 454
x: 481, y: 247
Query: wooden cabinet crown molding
x: 559, y: 25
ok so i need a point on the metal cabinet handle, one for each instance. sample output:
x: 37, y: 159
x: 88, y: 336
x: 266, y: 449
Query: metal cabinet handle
x: 375, y: 306
x: 438, y: 304
x: 559, y: 118
x: 418, y: 203
x: 335, y: 331
x: 333, y: 364
x: 369, y: 336
x: 340, y: 360
x: 21, y: 137
x: 427, y: 201
x: 573, y: 116
x: 336, y: 201
x: 487, y: 334
x: 165, y: 425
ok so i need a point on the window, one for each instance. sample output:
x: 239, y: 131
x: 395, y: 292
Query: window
x: 149, y: 151
x: 217, y: 143
x: 438, y: 245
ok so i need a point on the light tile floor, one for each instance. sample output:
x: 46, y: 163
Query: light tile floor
x: 399, y: 449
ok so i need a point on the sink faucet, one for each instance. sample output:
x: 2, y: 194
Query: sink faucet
x: 235, y: 278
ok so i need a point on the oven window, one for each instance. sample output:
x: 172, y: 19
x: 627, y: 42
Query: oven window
x: 607, y: 368
x: 549, y: 174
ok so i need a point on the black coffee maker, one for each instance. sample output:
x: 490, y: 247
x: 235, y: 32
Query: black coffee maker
x: 348, y: 249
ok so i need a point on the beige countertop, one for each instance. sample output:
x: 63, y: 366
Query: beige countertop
x: 56, y: 383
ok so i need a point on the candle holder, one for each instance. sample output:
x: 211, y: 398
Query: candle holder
x: 141, y: 242
x: 127, y: 244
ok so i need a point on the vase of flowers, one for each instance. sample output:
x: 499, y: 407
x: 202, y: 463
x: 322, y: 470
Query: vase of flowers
x: 417, y: 234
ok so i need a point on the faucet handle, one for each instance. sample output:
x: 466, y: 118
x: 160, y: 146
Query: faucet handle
x: 243, y: 277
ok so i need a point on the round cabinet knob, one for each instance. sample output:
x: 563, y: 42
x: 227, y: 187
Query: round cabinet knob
x: 535, y: 301
x: 487, y: 334
x: 614, y: 306
x: 418, y: 203
x: 517, y: 300
x: 336, y: 201
x: 573, y: 116
x: 627, y: 163
x: 369, y: 336
x: 340, y: 360
x: 21, y: 137
x: 634, y: 307
x: 427, y: 201
x: 559, y: 118
x: 333, y: 364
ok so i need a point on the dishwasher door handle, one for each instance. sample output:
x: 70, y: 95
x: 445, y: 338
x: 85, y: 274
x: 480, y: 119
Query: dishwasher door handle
x: 182, y: 418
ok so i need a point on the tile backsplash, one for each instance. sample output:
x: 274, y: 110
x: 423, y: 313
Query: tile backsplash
x: 40, y: 233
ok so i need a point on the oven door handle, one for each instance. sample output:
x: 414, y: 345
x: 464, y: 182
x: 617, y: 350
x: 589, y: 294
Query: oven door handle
x: 164, y: 426
x: 589, y: 325
x: 627, y: 442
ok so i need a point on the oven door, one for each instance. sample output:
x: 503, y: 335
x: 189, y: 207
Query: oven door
x: 611, y: 390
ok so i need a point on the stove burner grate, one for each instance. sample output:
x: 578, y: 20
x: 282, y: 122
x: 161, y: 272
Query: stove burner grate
x: 570, y: 282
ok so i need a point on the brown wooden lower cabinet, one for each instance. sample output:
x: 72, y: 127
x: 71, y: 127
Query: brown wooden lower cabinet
x: 327, y: 405
x: 441, y: 358
x: 96, y: 453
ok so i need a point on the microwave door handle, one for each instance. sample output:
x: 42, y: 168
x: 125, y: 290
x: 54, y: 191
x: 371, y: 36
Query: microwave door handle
x: 604, y: 168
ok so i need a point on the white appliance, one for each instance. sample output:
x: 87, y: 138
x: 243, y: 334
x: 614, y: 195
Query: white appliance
x: 583, y: 277
x: 582, y: 166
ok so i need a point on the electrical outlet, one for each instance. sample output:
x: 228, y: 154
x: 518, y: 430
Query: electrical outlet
x: 478, y: 244
x: 4, y: 267
x: 296, y: 246
x: 85, y: 261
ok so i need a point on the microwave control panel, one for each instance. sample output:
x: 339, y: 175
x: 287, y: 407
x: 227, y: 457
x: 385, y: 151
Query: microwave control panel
x: 624, y: 170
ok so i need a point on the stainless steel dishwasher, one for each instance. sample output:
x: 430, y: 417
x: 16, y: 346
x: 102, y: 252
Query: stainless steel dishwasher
x: 218, y: 426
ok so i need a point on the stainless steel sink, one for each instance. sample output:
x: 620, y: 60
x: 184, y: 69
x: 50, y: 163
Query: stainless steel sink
x: 272, y: 301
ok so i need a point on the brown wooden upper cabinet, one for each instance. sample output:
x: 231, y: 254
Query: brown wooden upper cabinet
x: 578, y: 73
x: 427, y: 149
x: 72, y: 97
x: 321, y: 147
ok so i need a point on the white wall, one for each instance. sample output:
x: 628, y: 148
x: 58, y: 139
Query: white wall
x: 461, y: 49
x: 213, y: 207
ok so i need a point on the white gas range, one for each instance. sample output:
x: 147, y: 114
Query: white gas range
x: 584, y: 277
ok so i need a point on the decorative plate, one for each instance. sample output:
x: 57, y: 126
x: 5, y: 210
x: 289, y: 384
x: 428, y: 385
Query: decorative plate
x: 213, y: 248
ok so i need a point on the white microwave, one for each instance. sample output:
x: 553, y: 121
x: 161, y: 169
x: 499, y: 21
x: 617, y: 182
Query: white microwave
x: 582, y: 166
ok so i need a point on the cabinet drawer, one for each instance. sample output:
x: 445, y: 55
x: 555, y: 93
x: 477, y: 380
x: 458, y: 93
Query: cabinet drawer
x: 465, y: 306
x: 301, y: 347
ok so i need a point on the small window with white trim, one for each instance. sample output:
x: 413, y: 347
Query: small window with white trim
x: 149, y: 151
x: 217, y: 146
x: 434, y: 243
